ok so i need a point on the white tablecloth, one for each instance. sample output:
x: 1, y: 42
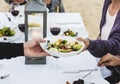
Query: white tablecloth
x: 44, y: 74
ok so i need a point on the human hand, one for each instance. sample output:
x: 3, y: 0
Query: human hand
x: 33, y: 49
x: 19, y: 1
x: 86, y: 42
x: 47, y: 1
x: 109, y: 60
x: 99, y: 38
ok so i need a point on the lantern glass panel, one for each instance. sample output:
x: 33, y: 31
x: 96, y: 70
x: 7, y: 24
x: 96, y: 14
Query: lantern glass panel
x: 35, y: 25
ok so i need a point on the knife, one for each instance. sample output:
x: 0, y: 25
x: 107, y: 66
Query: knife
x: 5, y: 76
x: 78, y: 71
x: 8, y: 17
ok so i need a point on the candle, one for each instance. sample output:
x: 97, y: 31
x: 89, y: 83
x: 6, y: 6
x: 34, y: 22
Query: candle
x: 35, y: 33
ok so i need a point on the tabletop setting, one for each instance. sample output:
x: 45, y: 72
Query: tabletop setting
x: 67, y: 60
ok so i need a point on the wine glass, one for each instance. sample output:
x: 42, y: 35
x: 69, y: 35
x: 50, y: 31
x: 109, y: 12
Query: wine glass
x: 21, y: 27
x: 55, y: 29
x: 56, y: 64
x: 14, y: 9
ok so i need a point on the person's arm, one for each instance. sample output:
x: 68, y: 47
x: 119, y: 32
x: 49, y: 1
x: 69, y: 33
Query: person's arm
x: 109, y: 60
x: 99, y: 48
x: 8, y: 50
x: 30, y: 48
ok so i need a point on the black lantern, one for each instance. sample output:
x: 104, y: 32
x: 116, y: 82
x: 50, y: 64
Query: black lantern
x: 35, y: 25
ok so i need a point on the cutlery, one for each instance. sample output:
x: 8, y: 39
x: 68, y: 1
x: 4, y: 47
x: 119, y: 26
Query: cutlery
x: 8, y: 17
x: 87, y: 74
x: 81, y: 71
x: 5, y: 76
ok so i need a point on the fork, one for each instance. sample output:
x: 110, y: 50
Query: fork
x: 87, y: 74
x: 5, y: 76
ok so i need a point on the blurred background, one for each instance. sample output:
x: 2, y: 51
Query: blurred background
x: 90, y: 11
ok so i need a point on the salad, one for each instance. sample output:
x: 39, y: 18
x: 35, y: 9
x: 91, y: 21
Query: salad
x: 63, y: 46
x: 70, y: 33
x: 6, y: 31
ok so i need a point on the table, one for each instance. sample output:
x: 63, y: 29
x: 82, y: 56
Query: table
x: 44, y: 74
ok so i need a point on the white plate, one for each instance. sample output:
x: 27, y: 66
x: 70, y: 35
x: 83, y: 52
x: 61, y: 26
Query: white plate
x: 11, y: 38
x: 61, y: 54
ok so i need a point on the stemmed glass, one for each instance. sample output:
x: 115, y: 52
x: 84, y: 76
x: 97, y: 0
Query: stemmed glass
x: 14, y: 9
x: 55, y: 30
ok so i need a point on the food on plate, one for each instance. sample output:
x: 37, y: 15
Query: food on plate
x: 63, y: 46
x: 70, y: 33
x: 30, y: 25
x: 7, y: 31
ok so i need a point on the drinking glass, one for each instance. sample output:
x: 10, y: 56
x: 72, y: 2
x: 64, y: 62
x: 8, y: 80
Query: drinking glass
x: 55, y: 29
x: 14, y: 9
x: 56, y: 64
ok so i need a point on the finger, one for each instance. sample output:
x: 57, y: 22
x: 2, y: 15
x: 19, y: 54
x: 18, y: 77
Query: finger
x: 106, y: 64
x: 80, y: 39
x: 40, y: 40
x: 100, y: 63
x: 43, y: 54
x: 86, y: 42
x: 103, y: 60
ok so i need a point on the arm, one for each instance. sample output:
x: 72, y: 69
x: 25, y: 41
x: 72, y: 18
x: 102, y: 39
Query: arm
x: 8, y: 50
x: 99, y: 48
x: 31, y: 49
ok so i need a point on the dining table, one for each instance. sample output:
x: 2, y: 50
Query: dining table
x: 81, y: 66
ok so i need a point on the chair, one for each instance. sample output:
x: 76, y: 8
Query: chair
x: 60, y: 7
x: 8, y: 1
